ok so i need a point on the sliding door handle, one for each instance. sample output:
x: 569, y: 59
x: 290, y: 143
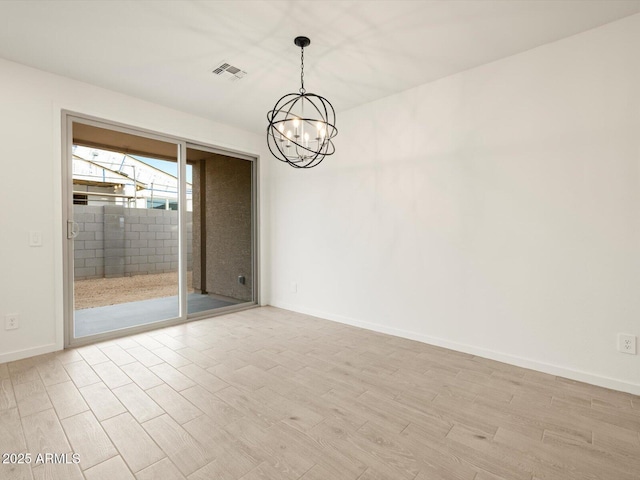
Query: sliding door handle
x: 72, y: 229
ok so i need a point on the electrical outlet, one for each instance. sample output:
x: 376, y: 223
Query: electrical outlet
x: 11, y: 321
x: 627, y: 343
x: 294, y: 287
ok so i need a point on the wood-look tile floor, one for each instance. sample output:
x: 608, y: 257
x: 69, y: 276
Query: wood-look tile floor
x: 271, y: 394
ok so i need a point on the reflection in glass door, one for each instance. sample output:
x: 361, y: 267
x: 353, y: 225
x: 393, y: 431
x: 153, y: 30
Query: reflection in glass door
x: 125, y: 245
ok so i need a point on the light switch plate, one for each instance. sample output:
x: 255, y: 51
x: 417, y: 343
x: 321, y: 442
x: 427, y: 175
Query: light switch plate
x: 35, y: 239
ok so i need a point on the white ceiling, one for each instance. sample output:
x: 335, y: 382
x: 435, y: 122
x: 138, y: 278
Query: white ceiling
x: 164, y: 51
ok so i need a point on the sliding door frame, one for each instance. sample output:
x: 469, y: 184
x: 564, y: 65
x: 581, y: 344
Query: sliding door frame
x: 68, y: 119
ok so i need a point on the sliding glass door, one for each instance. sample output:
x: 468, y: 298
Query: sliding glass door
x: 158, y: 231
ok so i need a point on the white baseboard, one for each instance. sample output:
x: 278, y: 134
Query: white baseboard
x: 28, y: 352
x: 581, y: 376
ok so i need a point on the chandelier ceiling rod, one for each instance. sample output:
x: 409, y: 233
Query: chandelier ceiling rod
x: 302, y: 42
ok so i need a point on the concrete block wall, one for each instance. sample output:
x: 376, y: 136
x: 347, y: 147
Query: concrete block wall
x: 114, y: 241
x: 89, y: 244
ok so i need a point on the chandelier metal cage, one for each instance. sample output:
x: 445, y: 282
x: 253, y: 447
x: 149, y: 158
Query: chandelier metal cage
x: 302, y: 125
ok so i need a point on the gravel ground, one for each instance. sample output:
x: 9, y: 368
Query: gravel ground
x: 100, y: 292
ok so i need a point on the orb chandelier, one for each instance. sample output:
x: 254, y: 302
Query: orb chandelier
x: 301, y: 125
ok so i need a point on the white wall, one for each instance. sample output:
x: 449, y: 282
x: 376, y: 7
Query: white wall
x: 30, y: 114
x: 494, y: 212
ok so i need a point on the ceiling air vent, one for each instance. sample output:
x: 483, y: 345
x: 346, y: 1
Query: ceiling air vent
x: 229, y: 71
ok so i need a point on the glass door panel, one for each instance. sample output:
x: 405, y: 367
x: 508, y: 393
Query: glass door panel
x: 220, y: 230
x: 125, y: 224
